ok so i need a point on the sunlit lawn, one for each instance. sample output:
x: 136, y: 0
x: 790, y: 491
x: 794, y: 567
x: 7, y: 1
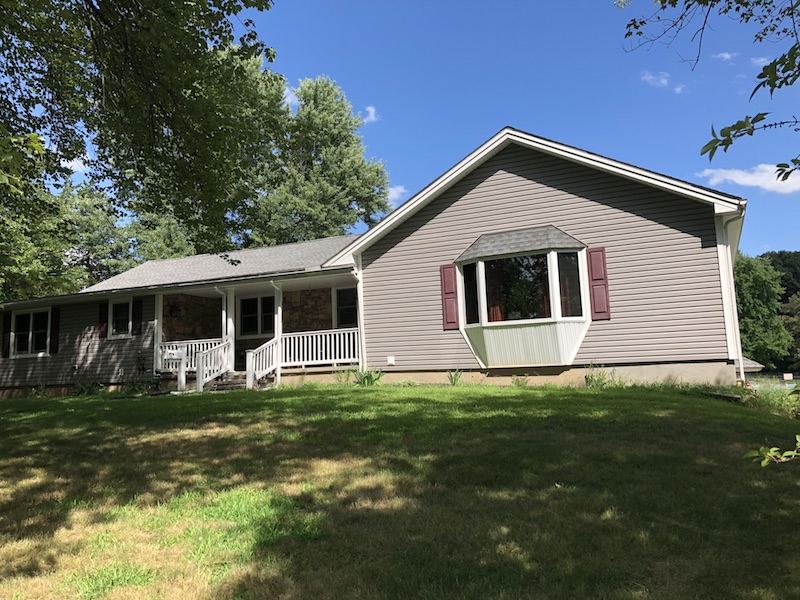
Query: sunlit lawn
x: 396, y: 492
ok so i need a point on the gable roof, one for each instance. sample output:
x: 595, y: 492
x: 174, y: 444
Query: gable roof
x: 722, y: 203
x: 226, y: 266
x: 548, y: 237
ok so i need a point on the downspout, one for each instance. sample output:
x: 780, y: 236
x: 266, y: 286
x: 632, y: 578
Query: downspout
x: 732, y: 290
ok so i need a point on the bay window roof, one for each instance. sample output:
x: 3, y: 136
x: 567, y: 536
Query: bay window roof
x: 533, y: 239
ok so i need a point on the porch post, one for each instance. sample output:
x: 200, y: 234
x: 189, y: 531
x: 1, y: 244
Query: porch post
x: 278, y: 331
x: 231, y: 326
x: 159, y: 333
x: 362, y: 341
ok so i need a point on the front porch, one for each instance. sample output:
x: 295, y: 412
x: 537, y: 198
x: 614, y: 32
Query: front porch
x: 257, y: 328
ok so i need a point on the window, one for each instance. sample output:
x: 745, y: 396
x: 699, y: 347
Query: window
x: 31, y: 332
x: 569, y: 284
x: 120, y: 319
x: 517, y: 288
x: 471, y: 292
x: 346, y: 307
x: 257, y: 316
x: 522, y: 288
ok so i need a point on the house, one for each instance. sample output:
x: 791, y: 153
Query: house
x: 527, y: 257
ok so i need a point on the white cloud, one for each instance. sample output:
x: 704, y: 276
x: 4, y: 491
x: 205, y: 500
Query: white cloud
x: 726, y: 56
x: 372, y: 115
x: 660, y: 79
x: 76, y: 165
x: 679, y: 88
x: 397, y: 194
x: 761, y: 176
x: 289, y: 97
x: 760, y: 61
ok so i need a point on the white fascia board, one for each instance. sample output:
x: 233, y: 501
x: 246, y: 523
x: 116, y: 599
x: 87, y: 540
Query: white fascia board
x: 722, y: 203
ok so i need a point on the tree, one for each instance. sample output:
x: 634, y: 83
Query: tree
x: 788, y: 264
x: 155, y: 86
x: 100, y: 248
x: 34, y: 242
x: 776, y: 22
x: 318, y: 182
x: 758, y: 293
x: 156, y: 237
x: 790, y: 314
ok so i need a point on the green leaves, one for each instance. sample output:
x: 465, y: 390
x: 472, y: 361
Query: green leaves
x: 318, y: 182
x: 758, y: 297
x: 747, y: 126
x: 767, y: 456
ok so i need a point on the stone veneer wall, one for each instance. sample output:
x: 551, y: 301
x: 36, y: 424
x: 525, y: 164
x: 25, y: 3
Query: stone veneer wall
x: 307, y: 310
x: 201, y: 318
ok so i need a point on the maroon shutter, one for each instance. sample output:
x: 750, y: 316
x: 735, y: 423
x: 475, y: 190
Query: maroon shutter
x: 6, y: 334
x: 136, y: 318
x: 103, y: 326
x: 598, y: 284
x: 55, y: 322
x: 449, y: 297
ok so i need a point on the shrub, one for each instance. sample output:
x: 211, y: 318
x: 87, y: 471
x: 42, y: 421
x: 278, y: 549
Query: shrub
x: 368, y: 377
x: 454, y: 376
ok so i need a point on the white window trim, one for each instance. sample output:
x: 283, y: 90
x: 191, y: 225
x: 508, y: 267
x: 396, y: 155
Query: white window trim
x: 259, y: 335
x: 553, y: 284
x: 335, y: 306
x: 12, y: 348
x: 129, y: 333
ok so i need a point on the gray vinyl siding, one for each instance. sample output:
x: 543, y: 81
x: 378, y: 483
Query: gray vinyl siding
x: 98, y: 360
x: 664, y: 282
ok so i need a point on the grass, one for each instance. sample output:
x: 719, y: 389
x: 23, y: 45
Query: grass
x: 396, y: 492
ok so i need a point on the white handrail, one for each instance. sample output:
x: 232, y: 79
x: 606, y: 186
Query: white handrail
x: 212, y: 363
x: 261, y: 362
x: 170, y: 354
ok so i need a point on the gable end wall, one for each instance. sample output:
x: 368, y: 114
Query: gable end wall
x: 664, y: 284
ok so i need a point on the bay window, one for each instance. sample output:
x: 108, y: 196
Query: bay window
x: 522, y: 288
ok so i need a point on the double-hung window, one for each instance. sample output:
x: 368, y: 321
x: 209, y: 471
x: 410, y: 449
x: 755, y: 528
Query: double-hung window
x: 30, y: 333
x: 120, y: 318
x: 257, y: 316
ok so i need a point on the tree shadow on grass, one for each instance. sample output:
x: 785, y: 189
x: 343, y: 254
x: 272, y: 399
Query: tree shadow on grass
x: 482, y: 495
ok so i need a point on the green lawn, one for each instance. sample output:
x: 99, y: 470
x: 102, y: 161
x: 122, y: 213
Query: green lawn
x: 396, y: 492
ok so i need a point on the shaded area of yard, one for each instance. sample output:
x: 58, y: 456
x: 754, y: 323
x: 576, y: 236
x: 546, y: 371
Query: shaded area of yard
x: 396, y: 492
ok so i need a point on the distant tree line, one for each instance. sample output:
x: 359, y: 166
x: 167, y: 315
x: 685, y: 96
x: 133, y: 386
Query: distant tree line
x: 768, y: 298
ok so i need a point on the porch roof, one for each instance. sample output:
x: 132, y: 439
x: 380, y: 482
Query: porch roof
x: 227, y: 266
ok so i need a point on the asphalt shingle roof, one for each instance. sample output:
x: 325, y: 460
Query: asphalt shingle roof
x: 547, y: 237
x: 239, y: 264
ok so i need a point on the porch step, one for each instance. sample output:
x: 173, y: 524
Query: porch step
x: 232, y: 381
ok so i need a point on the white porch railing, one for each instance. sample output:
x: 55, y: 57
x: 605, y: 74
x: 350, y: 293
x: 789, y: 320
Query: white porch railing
x: 261, y: 362
x: 309, y: 348
x: 171, y: 354
x: 212, y: 363
x: 332, y: 347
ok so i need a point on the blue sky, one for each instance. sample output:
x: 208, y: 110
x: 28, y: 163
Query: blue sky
x: 436, y: 79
